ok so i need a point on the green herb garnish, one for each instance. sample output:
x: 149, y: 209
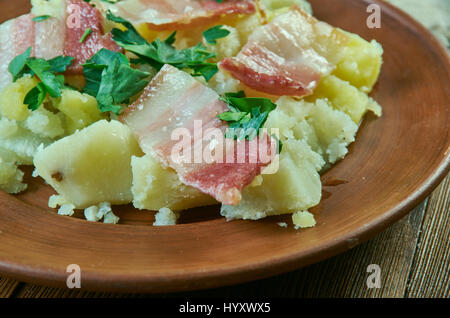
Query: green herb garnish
x: 246, y: 115
x: 17, y: 67
x: 160, y: 52
x: 40, y: 18
x: 214, y: 33
x: 111, y: 80
x: 45, y: 70
x: 86, y: 33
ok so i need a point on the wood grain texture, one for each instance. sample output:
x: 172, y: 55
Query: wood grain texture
x: 8, y: 287
x: 397, y: 167
x: 430, y: 273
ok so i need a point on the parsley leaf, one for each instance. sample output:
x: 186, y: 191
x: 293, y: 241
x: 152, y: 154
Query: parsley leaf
x: 41, y: 18
x: 160, y: 52
x: 214, y: 33
x: 35, y: 97
x: 246, y: 115
x: 17, y: 67
x: 93, y: 69
x: 111, y: 80
x: 41, y: 68
x: 60, y: 63
x: 86, y: 33
x: 45, y: 71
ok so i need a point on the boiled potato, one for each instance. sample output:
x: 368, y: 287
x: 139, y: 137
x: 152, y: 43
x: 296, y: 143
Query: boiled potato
x: 45, y: 123
x: 155, y: 187
x: 53, y: 8
x: 92, y: 165
x: 334, y: 129
x: 247, y: 25
x: 80, y: 109
x: 10, y: 175
x: 326, y: 130
x: 295, y: 186
x: 277, y: 7
x: 361, y: 64
x: 278, y: 4
x: 8, y: 127
x: 12, y: 97
x: 229, y: 45
x: 345, y: 97
x: 314, y: 135
x: 23, y: 143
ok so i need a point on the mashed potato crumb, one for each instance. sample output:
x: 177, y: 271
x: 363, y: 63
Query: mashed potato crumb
x: 105, y: 210
x: 110, y: 218
x: 91, y: 214
x: 10, y: 176
x: 165, y: 217
x: 303, y: 219
x: 56, y: 200
x: 66, y: 209
x: 102, y: 211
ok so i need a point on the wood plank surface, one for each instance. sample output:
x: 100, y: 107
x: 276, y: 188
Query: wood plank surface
x: 7, y: 287
x: 431, y: 271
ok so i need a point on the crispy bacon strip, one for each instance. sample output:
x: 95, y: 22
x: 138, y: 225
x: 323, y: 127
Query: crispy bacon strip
x: 283, y: 57
x: 175, y: 106
x: 54, y: 36
x: 179, y: 14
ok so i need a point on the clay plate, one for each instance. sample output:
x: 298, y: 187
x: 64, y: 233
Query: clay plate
x: 394, y: 164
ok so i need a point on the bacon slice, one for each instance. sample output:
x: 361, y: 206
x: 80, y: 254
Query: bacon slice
x: 283, y: 57
x: 177, y: 14
x: 54, y: 36
x: 89, y: 17
x: 174, y: 104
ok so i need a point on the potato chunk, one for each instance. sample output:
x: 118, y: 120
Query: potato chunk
x: 12, y: 97
x: 155, y: 187
x: 80, y: 109
x: 92, y: 165
x: 10, y: 175
x: 345, y: 97
x: 361, y: 64
x: 296, y: 186
x: 21, y: 142
x: 314, y: 135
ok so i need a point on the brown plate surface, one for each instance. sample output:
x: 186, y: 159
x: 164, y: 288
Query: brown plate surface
x: 394, y: 164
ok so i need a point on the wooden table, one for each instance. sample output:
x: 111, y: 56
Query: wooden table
x: 413, y: 256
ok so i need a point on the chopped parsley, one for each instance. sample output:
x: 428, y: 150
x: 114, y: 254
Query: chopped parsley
x: 86, y: 33
x: 45, y: 70
x: 111, y: 80
x: 160, y: 52
x: 214, y: 33
x: 246, y: 115
x: 40, y: 18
